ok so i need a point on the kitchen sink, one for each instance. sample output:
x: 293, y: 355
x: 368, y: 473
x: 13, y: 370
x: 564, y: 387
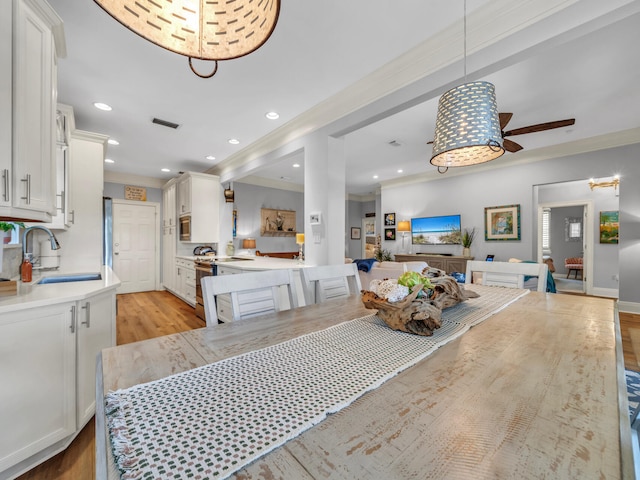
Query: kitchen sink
x: 74, y: 277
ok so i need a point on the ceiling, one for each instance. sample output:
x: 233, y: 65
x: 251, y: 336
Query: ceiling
x: 339, y: 66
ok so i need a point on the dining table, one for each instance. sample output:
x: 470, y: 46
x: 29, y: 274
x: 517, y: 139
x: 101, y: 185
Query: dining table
x: 536, y: 390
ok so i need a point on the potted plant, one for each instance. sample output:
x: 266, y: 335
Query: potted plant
x: 382, y: 255
x: 5, y: 229
x: 467, y: 239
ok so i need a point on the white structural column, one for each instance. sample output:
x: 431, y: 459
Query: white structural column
x: 324, y: 194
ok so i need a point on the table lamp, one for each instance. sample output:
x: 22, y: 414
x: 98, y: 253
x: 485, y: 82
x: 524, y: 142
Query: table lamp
x: 404, y: 226
x: 249, y: 244
x: 300, y: 241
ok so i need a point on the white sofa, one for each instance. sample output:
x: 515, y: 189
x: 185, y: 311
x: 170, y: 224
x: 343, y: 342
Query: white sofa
x: 382, y: 270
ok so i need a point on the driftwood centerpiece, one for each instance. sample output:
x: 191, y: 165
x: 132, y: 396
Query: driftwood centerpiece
x: 419, y: 315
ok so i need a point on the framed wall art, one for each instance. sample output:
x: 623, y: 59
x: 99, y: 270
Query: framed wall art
x: 389, y: 233
x: 355, y: 233
x: 277, y: 223
x: 502, y: 223
x: 389, y: 219
x: 609, y: 227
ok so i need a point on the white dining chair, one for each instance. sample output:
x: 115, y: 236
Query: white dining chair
x: 507, y: 274
x: 326, y: 282
x: 251, y: 294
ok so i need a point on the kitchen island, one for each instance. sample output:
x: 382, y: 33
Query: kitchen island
x: 50, y: 336
x: 537, y: 390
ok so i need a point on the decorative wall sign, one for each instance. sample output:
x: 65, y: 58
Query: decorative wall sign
x: 277, y: 223
x: 135, y: 193
x: 609, y: 227
x: 502, y: 223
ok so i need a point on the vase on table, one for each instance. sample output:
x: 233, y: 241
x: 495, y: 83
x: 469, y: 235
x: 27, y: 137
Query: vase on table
x: 466, y: 252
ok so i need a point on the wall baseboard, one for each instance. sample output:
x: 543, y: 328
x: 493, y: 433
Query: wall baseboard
x: 629, y: 307
x: 605, y: 292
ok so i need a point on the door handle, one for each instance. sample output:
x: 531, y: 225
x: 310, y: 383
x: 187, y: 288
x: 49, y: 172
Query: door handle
x: 72, y: 327
x: 115, y: 249
x: 5, y: 181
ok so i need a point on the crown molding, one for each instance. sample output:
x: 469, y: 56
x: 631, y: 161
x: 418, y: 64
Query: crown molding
x: 128, y: 179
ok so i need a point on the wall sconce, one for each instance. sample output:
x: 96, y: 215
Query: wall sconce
x: 613, y: 183
x: 228, y: 195
x: 249, y: 244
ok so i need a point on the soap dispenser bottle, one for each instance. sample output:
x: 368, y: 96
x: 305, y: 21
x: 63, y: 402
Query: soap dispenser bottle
x: 26, y: 270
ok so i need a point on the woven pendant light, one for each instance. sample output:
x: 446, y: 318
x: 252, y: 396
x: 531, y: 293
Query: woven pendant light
x: 467, y: 126
x: 202, y: 29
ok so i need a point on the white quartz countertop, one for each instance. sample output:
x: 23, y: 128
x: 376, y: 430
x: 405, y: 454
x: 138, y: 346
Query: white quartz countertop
x: 259, y: 263
x: 32, y: 295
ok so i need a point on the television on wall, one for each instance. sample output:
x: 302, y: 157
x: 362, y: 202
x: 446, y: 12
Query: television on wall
x: 443, y: 230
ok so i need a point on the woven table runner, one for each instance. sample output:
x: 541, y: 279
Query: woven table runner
x: 211, y: 421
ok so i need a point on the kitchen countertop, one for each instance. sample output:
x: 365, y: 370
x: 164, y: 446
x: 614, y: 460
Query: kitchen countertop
x: 31, y: 295
x: 259, y: 263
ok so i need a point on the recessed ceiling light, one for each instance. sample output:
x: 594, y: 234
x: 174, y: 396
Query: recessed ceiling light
x: 113, y: 141
x: 399, y: 170
x: 234, y: 141
x: 102, y: 106
x: 296, y: 165
x: 375, y: 176
x: 210, y: 157
x: 272, y: 115
x: 108, y: 160
x: 165, y: 170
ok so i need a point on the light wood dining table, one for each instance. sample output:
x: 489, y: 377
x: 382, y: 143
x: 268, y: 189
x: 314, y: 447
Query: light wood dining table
x: 535, y: 391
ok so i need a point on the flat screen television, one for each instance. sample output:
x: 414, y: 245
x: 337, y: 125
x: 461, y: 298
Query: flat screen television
x: 444, y: 230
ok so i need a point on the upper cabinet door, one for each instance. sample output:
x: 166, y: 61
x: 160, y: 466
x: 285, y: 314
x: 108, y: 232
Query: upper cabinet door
x: 34, y: 98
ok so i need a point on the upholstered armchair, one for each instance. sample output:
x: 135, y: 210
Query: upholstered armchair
x: 575, y: 264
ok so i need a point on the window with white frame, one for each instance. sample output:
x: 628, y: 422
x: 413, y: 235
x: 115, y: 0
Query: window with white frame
x: 546, y: 234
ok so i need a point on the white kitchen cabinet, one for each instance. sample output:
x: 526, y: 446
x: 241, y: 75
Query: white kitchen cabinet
x: 169, y: 258
x: 199, y: 197
x: 38, y: 378
x: 96, y: 329
x: 169, y: 235
x: 169, y: 216
x: 184, y: 194
x: 185, y: 286
x: 36, y: 40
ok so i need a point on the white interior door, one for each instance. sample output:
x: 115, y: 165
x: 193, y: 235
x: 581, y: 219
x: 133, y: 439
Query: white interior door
x: 135, y: 245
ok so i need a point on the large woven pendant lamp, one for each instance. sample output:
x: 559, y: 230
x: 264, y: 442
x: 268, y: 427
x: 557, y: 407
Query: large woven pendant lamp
x: 202, y: 29
x: 467, y: 124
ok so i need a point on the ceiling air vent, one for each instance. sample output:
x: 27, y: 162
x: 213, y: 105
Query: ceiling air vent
x: 395, y: 143
x: 165, y: 123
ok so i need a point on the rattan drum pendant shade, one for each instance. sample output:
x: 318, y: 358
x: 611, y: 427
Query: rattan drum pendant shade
x: 203, y: 29
x: 467, y: 126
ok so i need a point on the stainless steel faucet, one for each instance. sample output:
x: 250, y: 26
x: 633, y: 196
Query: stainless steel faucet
x: 54, y: 241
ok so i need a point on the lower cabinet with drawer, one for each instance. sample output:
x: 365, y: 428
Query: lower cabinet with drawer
x: 185, y: 284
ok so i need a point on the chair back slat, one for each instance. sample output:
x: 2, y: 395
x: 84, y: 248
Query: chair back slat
x: 508, y: 274
x: 327, y: 282
x: 251, y: 294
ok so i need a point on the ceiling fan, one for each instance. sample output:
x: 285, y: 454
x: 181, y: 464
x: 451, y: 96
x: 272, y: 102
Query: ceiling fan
x: 510, y: 145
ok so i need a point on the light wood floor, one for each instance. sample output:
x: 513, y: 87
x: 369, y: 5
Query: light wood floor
x: 152, y: 314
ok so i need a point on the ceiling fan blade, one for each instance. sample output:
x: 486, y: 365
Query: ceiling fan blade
x: 511, y: 146
x: 541, y: 127
x: 504, y: 119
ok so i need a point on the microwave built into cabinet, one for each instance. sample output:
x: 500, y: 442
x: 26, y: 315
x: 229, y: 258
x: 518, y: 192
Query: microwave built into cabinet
x: 185, y: 228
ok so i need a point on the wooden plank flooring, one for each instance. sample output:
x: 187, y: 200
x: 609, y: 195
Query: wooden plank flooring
x: 153, y: 314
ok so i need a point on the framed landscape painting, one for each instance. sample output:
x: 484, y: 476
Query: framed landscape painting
x: 502, y: 223
x: 609, y: 226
